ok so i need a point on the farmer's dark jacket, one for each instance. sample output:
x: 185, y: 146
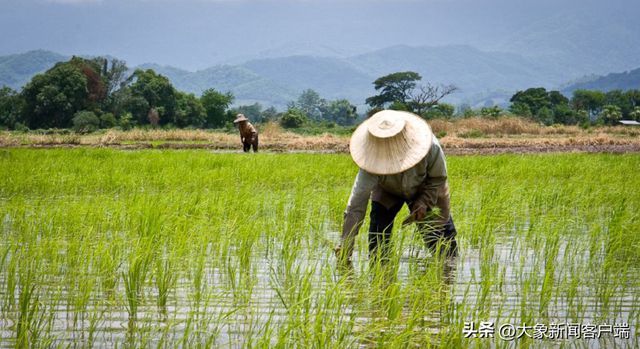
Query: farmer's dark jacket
x: 424, y: 183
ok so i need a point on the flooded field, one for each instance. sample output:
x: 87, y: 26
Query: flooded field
x: 106, y: 248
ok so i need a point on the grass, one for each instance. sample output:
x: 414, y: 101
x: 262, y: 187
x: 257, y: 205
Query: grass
x: 190, y: 248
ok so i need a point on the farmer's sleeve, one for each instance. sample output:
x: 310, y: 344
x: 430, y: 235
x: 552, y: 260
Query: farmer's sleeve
x: 358, y: 201
x: 436, y: 176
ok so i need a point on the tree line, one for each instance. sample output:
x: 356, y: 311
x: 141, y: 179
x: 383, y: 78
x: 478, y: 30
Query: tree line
x: 87, y: 94
x: 400, y: 91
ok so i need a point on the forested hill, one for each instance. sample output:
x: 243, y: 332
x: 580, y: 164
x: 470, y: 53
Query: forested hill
x: 276, y: 81
x: 615, y: 81
x: 16, y: 70
x: 481, y: 76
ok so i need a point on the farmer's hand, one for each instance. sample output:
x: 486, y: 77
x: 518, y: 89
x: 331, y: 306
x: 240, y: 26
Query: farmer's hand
x: 418, y: 213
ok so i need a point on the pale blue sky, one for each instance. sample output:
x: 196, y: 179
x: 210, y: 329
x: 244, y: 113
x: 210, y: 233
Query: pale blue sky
x: 195, y: 34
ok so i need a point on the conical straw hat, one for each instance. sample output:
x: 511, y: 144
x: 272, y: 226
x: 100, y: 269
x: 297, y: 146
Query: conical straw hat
x: 390, y: 142
x: 239, y: 118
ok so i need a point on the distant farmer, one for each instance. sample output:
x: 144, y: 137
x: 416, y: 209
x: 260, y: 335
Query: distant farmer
x: 400, y: 162
x: 248, y: 133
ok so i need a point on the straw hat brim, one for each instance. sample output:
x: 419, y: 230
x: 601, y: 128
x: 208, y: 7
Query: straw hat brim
x: 240, y: 119
x: 391, y: 154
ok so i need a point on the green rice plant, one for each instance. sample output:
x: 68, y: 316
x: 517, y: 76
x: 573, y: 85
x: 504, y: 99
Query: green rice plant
x: 9, y: 273
x: 31, y: 315
x: 165, y: 279
x: 228, y: 250
x: 134, y: 280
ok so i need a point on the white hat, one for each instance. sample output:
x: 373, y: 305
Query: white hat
x: 390, y: 142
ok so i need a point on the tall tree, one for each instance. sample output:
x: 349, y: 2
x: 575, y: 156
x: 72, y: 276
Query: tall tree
x: 427, y: 96
x: 589, y: 101
x: 611, y: 114
x: 620, y: 99
x: 114, y: 74
x: 216, y: 104
x: 311, y: 104
x: 52, y: 98
x: 395, y: 87
x: 158, y: 91
x: 400, y: 91
x: 190, y: 111
x: 341, y: 111
x: 534, y: 98
x: 10, y: 105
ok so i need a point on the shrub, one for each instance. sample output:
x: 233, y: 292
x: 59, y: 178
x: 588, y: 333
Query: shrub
x: 492, y: 112
x: 293, y: 118
x: 472, y: 134
x: 108, y: 120
x: 20, y: 127
x: 125, y: 121
x: 85, y: 121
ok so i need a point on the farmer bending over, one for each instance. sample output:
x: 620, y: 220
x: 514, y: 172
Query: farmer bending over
x: 248, y: 133
x: 400, y: 162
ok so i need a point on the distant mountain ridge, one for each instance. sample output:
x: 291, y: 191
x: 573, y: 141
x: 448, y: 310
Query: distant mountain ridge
x: 482, y: 77
x: 615, y: 81
x: 16, y: 70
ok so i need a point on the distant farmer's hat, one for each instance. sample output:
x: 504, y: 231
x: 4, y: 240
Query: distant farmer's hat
x: 239, y: 118
x: 390, y: 142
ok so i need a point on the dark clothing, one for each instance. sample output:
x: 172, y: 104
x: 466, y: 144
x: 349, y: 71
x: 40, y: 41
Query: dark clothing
x: 247, y: 145
x: 248, y: 136
x: 426, y: 183
x: 381, y: 226
x: 423, y: 187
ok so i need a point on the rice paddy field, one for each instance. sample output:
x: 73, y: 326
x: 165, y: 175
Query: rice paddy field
x: 191, y: 248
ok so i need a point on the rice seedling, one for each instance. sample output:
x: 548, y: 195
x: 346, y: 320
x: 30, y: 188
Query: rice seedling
x: 101, y: 247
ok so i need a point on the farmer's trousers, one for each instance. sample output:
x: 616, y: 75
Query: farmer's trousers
x: 248, y: 143
x: 435, y: 237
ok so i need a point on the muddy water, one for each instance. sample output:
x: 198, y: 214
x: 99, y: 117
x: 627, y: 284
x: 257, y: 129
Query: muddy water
x: 509, y: 283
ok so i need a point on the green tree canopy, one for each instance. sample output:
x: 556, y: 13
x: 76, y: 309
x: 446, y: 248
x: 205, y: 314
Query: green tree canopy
x: 52, y: 98
x: 190, y: 111
x: 395, y: 87
x: 534, y: 98
x: 635, y: 114
x: 544, y: 106
x: 589, y: 101
x: 293, y: 118
x: 340, y: 111
x: 215, y: 105
x: 10, y: 106
x: 85, y: 121
x: 158, y: 91
x: 441, y: 110
x: 311, y: 104
x: 611, y: 114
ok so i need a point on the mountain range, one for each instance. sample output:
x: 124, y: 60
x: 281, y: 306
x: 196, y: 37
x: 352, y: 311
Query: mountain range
x: 482, y: 77
x: 615, y: 81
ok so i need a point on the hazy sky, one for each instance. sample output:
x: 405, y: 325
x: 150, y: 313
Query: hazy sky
x: 199, y: 33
